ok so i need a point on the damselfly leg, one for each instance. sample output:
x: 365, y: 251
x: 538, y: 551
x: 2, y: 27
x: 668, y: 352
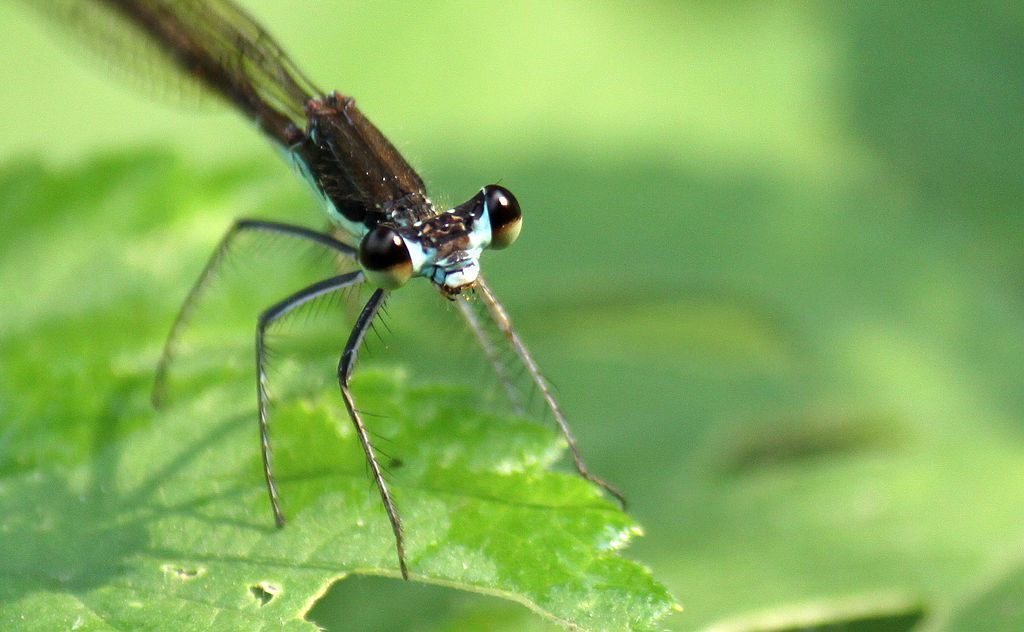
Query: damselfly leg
x: 501, y: 319
x: 345, y: 369
x: 266, y: 319
x: 494, y: 355
x: 209, y: 272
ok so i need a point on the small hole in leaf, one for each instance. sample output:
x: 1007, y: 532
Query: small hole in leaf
x: 184, y: 573
x: 264, y: 592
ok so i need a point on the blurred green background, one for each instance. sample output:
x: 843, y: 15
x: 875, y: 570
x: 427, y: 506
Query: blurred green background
x: 772, y: 260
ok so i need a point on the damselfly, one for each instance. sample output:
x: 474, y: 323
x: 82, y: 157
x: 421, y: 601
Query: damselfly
x: 369, y: 192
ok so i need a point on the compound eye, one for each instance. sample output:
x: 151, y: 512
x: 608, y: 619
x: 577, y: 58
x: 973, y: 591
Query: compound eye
x: 505, y: 215
x: 385, y: 258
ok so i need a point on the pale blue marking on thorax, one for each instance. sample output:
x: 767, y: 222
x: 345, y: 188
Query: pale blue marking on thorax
x: 356, y: 229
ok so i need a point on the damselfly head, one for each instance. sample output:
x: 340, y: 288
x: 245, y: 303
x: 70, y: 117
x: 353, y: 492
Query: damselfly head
x: 444, y: 247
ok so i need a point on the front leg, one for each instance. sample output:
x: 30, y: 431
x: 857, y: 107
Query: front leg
x: 345, y: 369
x: 210, y: 270
x: 266, y: 319
x: 493, y: 354
x: 501, y: 319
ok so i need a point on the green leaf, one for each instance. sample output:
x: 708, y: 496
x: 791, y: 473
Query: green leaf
x: 116, y: 517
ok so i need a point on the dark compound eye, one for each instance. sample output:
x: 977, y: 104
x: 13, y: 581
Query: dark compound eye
x: 505, y: 215
x: 385, y: 258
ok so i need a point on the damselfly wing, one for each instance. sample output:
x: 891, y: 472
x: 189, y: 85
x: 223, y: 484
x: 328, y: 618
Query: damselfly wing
x: 370, y: 193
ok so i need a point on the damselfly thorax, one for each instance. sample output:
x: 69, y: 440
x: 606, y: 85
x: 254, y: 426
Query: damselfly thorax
x: 402, y: 235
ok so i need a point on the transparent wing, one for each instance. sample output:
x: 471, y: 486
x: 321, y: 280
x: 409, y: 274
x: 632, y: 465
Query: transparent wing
x: 211, y: 43
x: 216, y: 45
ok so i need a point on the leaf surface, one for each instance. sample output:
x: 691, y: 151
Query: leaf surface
x: 117, y: 517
